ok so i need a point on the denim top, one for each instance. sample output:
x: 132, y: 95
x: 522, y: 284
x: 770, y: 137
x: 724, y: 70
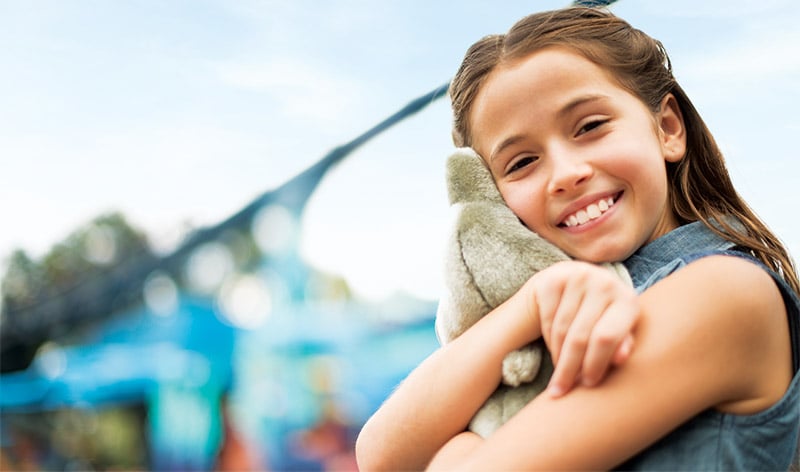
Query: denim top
x: 714, y: 440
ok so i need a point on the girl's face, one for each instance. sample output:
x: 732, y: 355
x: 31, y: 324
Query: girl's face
x: 580, y: 160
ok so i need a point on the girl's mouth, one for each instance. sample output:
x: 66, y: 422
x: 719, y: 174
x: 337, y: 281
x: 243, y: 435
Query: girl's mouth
x: 590, y: 212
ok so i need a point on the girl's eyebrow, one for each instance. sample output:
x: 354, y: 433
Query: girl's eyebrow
x: 504, y: 144
x: 578, y: 101
x: 562, y: 112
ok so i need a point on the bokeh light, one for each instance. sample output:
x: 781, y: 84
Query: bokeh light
x: 100, y: 245
x: 274, y: 229
x: 207, y: 268
x: 245, y: 301
x: 160, y: 293
x: 52, y: 362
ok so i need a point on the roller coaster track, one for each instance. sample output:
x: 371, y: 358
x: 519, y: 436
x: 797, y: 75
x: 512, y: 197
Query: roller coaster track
x: 93, y: 299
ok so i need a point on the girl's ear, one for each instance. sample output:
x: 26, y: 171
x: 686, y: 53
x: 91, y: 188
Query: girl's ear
x: 672, y: 129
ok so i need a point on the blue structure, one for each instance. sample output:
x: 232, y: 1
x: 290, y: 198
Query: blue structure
x: 311, y: 368
x: 298, y: 387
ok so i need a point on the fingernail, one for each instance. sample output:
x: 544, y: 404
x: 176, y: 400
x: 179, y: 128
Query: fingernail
x: 555, y: 391
x: 626, y: 346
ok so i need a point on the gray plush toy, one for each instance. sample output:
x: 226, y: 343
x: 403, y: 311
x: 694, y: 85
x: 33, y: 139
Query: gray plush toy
x: 490, y: 255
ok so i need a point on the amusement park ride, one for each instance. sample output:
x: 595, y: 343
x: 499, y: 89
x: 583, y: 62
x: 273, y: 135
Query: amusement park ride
x: 313, y: 366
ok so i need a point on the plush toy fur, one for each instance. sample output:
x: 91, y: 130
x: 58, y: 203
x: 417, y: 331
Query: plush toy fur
x: 490, y: 255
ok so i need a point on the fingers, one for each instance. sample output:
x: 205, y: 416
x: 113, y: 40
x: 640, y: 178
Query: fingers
x: 587, y: 317
x: 582, y: 350
x: 547, y: 295
x: 610, y: 342
x: 623, y: 352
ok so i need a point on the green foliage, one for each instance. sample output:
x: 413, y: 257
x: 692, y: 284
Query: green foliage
x: 86, y: 253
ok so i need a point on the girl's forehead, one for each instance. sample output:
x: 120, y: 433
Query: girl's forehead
x: 553, y: 59
x: 546, y: 77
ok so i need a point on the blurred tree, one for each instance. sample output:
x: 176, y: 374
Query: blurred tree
x: 83, y: 279
x: 243, y: 248
x: 23, y: 281
x: 22, y: 284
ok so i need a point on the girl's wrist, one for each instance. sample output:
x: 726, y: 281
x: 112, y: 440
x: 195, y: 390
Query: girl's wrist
x: 530, y: 310
x: 521, y: 316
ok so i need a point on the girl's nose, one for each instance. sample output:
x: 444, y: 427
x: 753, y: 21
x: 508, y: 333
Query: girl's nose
x: 568, y: 173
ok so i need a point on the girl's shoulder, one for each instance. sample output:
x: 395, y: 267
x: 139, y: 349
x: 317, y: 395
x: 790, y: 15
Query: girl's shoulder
x: 745, y: 318
x: 788, y: 297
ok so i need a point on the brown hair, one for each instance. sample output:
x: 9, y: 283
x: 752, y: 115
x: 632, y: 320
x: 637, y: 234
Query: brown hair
x: 700, y: 187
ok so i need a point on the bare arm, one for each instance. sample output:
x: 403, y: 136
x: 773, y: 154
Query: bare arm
x: 719, y: 311
x: 438, y: 399
x: 441, y: 395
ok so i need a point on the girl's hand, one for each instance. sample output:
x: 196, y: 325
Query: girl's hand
x: 587, y: 315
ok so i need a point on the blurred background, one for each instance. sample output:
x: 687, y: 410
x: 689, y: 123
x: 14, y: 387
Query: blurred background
x: 207, y: 261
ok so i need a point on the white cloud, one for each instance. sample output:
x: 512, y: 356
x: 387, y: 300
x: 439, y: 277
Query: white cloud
x: 767, y: 55
x: 301, y: 89
x: 161, y: 176
x: 712, y: 8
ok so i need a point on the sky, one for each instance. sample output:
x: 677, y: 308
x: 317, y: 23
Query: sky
x: 179, y: 113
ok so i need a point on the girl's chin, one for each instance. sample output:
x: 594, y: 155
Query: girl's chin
x: 598, y: 257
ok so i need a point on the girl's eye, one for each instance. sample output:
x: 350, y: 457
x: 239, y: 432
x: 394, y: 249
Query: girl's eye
x: 521, y: 163
x: 591, y: 125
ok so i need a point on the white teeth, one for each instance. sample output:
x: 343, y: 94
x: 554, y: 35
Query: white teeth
x: 591, y: 212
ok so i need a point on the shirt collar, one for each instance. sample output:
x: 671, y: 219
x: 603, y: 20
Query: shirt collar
x: 684, y: 240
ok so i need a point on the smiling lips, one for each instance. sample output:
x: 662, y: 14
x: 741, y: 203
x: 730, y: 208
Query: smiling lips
x: 591, y: 212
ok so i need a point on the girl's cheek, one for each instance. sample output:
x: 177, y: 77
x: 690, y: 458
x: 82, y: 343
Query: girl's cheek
x: 526, y: 202
x: 526, y: 214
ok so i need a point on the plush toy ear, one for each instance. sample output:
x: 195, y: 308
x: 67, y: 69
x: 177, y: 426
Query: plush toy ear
x: 469, y: 180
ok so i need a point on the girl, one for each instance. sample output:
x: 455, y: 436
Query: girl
x: 594, y: 146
